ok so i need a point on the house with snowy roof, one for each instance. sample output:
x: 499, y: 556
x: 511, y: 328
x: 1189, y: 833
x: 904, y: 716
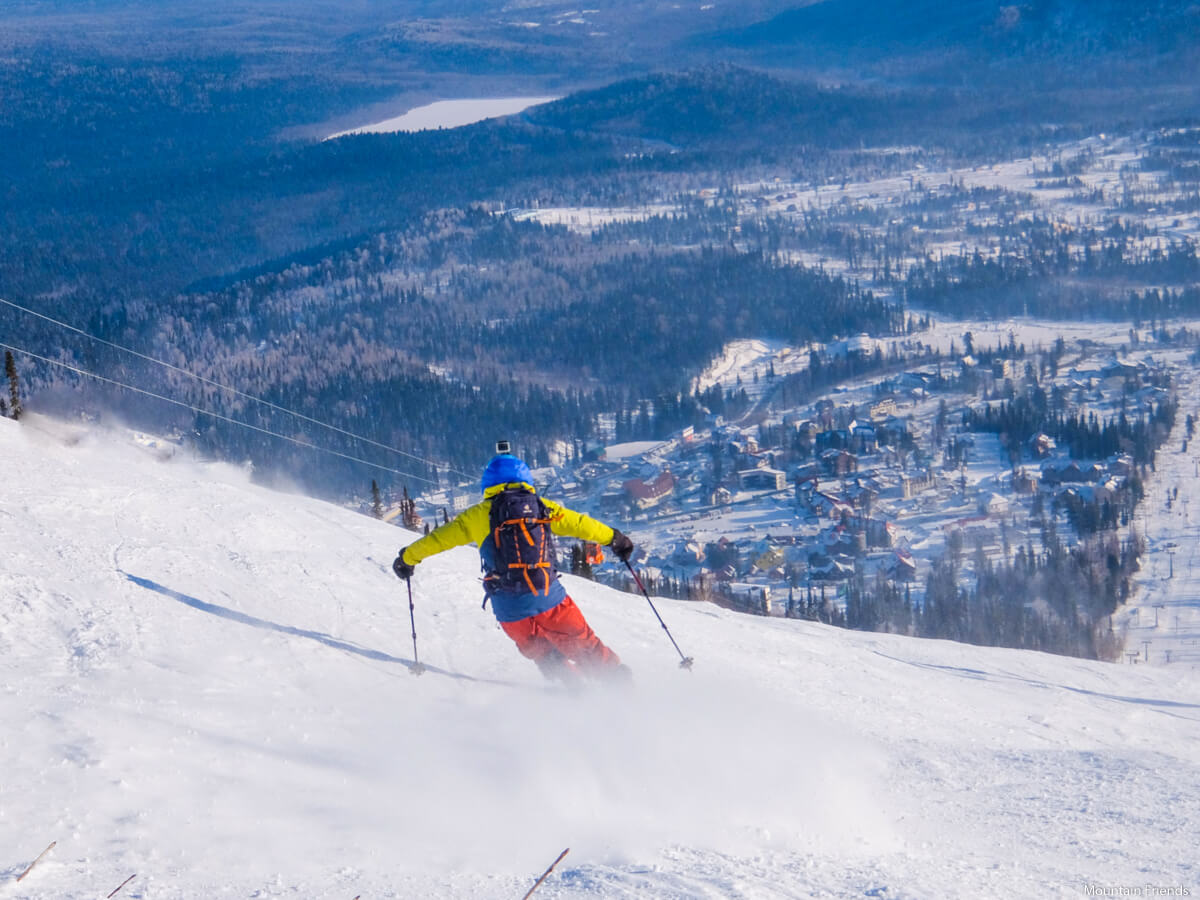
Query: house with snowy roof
x: 827, y: 505
x: 1041, y: 445
x: 901, y: 566
x: 828, y: 569
x: 647, y: 493
x: 993, y: 504
x: 1121, y: 367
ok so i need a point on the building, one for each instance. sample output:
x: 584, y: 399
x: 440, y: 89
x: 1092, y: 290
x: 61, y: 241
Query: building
x: 1041, y: 445
x: 770, y: 559
x: 821, y: 504
x: 993, y: 504
x: 860, y: 346
x: 882, y: 410
x: 763, y: 478
x: 1120, y: 464
x: 686, y: 553
x: 865, y: 438
x: 1024, y: 483
x: 1122, y: 368
x: 840, y: 541
x: 645, y: 494
x: 902, y: 566
x: 807, y: 477
x: 839, y: 462
x: 860, y: 495
x: 875, y: 532
x: 1071, y: 472
x: 833, y: 439
x: 827, y: 569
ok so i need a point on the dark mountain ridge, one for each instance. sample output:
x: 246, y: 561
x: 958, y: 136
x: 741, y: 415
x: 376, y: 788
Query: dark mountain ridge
x: 1074, y: 37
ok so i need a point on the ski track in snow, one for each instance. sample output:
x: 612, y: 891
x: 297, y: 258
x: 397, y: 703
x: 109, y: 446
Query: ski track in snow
x: 207, y: 684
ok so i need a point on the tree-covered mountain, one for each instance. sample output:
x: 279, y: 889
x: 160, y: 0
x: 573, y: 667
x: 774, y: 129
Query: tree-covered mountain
x: 1085, y: 40
x: 162, y: 188
x: 462, y: 326
x: 157, y: 216
x: 727, y: 105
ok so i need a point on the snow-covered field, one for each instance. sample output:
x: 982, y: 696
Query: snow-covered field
x: 744, y: 358
x: 206, y: 684
x: 586, y: 219
x: 1111, y: 158
x: 1109, y: 168
x: 447, y: 114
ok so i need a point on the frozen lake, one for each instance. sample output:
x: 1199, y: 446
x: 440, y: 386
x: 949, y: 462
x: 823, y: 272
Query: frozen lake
x: 448, y: 114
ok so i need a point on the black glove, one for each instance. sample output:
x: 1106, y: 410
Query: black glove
x: 622, y: 546
x: 401, y: 568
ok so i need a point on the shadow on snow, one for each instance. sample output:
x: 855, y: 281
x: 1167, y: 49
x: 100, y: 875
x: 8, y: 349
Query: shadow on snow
x: 224, y: 612
x: 980, y: 675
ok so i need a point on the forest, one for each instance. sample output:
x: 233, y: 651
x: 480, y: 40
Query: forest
x: 438, y: 338
x: 157, y: 196
x: 1069, y: 596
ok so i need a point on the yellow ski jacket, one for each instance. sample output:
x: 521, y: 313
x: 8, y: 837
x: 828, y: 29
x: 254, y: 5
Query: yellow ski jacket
x: 473, y: 526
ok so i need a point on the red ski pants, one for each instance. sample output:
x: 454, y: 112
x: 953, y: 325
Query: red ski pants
x: 560, y: 630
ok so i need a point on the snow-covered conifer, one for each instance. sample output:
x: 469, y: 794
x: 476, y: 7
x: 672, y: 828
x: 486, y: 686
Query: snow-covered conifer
x: 14, y: 384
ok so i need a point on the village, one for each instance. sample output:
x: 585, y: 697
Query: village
x: 879, y: 476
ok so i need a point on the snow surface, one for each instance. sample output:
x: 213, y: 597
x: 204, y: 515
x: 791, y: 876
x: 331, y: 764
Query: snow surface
x: 630, y: 449
x: 1162, y: 623
x: 206, y: 684
x: 586, y: 219
x: 448, y: 114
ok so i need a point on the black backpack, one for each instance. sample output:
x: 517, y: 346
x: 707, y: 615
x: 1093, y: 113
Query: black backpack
x: 525, y: 559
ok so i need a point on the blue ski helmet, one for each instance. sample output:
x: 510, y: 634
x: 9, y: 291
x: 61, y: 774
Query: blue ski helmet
x: 504, y: 468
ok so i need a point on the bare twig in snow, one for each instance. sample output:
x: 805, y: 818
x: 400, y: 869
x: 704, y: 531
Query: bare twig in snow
x: 38, y: 860
x: 546, y: 874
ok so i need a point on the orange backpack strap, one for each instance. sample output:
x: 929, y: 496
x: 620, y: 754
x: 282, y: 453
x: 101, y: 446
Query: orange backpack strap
x: 524, y: 543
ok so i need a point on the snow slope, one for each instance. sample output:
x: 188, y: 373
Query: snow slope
x: 1162, y: 624
x: 206, y: 684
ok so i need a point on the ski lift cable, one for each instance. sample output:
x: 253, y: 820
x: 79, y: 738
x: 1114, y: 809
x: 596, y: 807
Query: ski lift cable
x: 215, y: 415
x: 232, y: 390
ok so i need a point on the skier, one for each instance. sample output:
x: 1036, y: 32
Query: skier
x: 513, y: 528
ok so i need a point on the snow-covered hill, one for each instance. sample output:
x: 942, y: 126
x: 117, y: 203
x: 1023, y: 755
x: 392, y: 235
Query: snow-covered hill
x: 206, y: 684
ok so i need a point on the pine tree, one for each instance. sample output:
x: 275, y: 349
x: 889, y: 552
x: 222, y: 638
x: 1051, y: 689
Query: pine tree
x: 376, y: 500
x: 408, y: 513
x: 14, y: 383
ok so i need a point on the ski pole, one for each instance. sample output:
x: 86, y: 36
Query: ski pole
x: 685, y: 661
x: 417, y: 668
